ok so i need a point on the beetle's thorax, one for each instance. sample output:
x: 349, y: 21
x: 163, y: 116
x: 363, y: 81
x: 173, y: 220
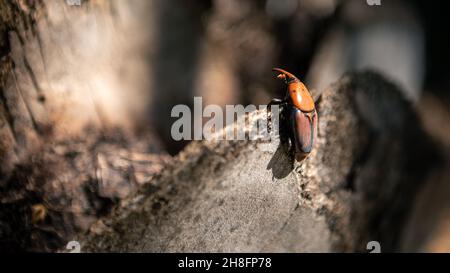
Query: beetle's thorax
x: 300, y: 96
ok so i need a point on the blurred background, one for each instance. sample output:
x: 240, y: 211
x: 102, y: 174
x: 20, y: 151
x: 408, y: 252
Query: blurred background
x: 125, y: 64
x: 223, y: 50
x: 128, y: 63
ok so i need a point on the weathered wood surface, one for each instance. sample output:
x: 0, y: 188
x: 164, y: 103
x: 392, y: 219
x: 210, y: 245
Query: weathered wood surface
x: 74, y: 84
x: 224, y: 196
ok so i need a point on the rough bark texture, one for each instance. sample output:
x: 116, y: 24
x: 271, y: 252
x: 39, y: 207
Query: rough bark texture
x: 355, y: 187
x: 73, y: 82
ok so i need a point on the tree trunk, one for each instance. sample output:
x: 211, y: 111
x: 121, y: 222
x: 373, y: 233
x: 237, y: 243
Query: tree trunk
x: 356, y: 186
x: 75, y: 134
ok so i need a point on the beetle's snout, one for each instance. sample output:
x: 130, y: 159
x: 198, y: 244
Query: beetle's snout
x: 284, y: 75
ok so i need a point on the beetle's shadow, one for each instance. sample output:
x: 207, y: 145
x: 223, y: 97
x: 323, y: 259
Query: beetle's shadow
x: 282, y: 161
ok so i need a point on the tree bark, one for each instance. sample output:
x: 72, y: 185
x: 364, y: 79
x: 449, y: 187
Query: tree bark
x: 356, y: 186
x: 74, y: 84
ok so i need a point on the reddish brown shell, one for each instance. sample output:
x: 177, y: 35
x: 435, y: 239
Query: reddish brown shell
x: 304, y: 129
x: 298, y: 92
x: 300, y: 96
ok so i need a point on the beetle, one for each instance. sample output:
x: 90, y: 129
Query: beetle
x: 299, y: 113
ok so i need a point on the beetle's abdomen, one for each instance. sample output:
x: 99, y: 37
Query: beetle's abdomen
x: 304, y: 126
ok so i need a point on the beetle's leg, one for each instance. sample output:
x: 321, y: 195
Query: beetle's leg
x: 274, y: 102
x: 269, y: 106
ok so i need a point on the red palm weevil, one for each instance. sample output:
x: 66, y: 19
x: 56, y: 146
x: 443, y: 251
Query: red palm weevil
x: 300, y: 113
